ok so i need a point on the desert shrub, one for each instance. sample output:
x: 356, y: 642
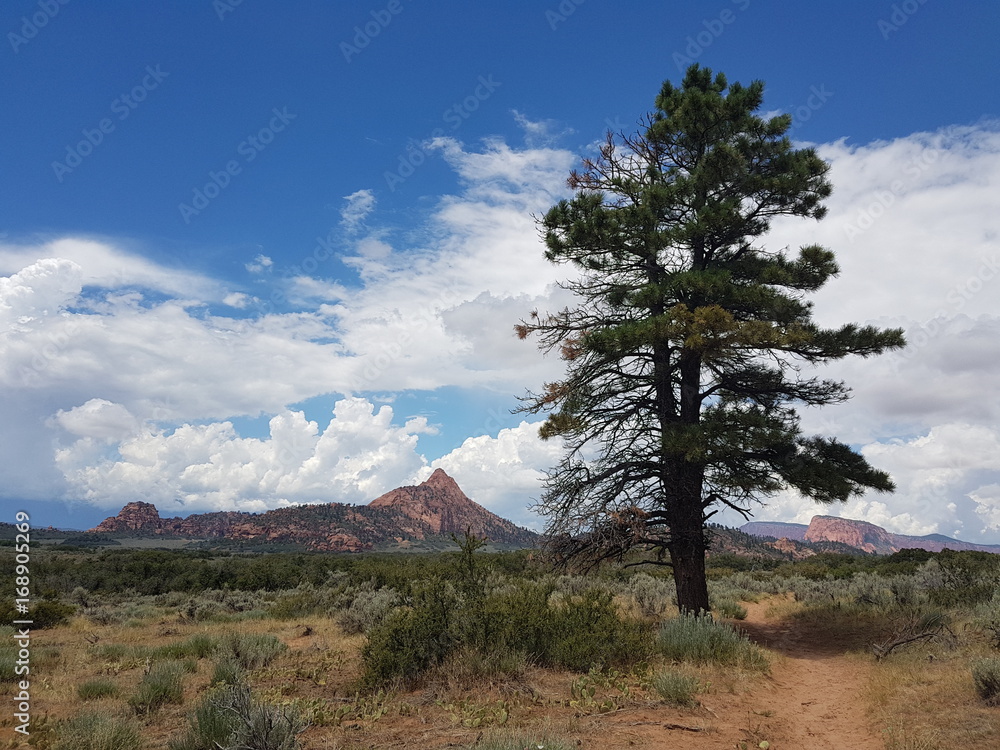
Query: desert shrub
x: 80, y: 596
x: 757, y: 583
x: 303, y: 600
x: 227, y: 672
x: 578, y: 585
x: 95, y: 731
x: 524, y: 621
x: 817, y: 590
x: 986, y: 619
x: 198, y: 646
x: 515, y: 617
x: 871, y: 590
x: 572, y: 631
x: 106, y: 615
x: 217, y: 605
x: 172, y: 599
x: 730, y: 609
x: 230, y: 719
x: 250, y: 650
x: 48, y: 614
x: 986, y: 679
x: 163, y: 684
x: 368, y: 609
x: 676, y: 688
x: 206, y: 611
x: 95, y: 689
x: 587, y: 631
x: 652, y: 595
x: 409, y: 641
x: 119, y: 652
x: 968, y: 577
x: 700, y: 640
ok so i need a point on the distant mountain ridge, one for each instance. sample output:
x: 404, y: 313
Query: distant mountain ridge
x: 860, y: 535
x: 433, y: 508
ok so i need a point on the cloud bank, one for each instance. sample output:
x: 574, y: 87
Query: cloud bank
x: 123, y: 381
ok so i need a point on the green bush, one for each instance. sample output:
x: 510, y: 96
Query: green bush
x: 676, y: 688
x: 986, y: 679
x: 522, y: 622
x: 95, y: 689
x: 969, y: 577
x: 43, y: 614
x: 587, y: 631
x: 516, y: 617
x: 163, y: 684
x: 94, y: 731
x: 409, y: 641
x: 230, y: 719
x: 700, y: 640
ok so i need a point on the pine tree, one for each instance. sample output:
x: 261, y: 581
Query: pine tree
x: 684, y: 357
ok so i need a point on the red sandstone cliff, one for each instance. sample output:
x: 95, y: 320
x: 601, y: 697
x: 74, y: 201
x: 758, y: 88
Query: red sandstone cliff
x: 859, y: 534
x: 872, y: 538
x: 440, y: 505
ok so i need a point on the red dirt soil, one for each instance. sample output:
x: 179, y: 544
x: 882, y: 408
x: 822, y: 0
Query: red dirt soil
x: 810, y: 700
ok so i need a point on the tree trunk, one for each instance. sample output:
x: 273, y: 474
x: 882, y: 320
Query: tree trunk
x: 687, y: 555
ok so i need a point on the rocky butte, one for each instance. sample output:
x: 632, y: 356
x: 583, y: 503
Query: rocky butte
x: 436, y: 507
x: 860, y: 535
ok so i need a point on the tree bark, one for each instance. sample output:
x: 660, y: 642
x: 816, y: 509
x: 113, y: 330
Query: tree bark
x: 687, y: 556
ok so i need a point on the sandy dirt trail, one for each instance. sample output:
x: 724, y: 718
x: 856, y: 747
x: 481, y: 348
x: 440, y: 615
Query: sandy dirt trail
x: 811, y: 701
x: 814, y: 693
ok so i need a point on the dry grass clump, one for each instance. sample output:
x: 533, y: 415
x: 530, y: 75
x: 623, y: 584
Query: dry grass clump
x: 98, y: 731
x: 925, y: 697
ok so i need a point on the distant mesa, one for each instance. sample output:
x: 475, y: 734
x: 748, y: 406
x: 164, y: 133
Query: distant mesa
x: 433, y: 508
x: 860, y: 535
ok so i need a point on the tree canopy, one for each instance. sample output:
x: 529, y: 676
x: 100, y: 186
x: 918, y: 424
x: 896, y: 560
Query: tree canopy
x: 688, y: 352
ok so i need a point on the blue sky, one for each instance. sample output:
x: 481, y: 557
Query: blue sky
x: 256, y: 254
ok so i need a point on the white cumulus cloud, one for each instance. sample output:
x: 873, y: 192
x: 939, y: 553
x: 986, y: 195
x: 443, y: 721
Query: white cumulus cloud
x: 360, y: 454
